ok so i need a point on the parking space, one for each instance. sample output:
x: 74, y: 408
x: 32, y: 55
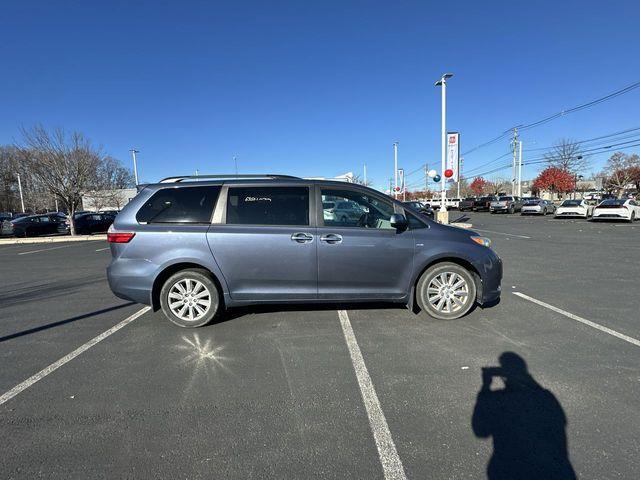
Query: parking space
x: 279, y: 392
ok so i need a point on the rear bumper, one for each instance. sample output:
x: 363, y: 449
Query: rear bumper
x: 131, y: 280
x: 531, y: 210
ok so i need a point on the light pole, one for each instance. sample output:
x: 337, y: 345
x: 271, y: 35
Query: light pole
x: 20, y: 189
x: 443, y: 188
x: 395, y: 169
x: 135, y: 164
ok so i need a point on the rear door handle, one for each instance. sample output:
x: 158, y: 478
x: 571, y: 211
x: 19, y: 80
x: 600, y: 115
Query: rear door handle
x: 302, y: 237
x: 331, y: 238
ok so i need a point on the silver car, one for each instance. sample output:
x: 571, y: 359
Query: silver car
x: 537, y: 206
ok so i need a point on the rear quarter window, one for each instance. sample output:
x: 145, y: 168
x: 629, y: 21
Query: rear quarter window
x: 180, y: 205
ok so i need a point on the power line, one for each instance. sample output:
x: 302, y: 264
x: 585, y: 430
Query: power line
x: 559, y: 114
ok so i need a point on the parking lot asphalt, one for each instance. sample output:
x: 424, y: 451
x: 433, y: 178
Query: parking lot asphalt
x: 281, y: 393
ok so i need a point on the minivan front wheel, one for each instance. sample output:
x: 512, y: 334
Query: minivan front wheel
x: 446, y: 291
x: 189, y: 298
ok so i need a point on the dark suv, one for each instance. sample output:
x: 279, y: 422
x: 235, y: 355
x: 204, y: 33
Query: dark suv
x: 483, y: 203
x: 194, y: 247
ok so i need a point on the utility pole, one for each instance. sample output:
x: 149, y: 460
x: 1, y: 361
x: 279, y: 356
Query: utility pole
x: 235, y: 161
x: 443, y: 216
x: 426, y: 178
x: 513, y: 165
x: 196, y: 172
x: 135, y: 164
x: 520, y: 170
x: 460, y: 174
x: 395, y: 169
x: 20, y: 189
x: 56, y: 199
x: 391, y: 186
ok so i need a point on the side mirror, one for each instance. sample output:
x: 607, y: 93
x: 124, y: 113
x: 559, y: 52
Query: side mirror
x: 399, y: 222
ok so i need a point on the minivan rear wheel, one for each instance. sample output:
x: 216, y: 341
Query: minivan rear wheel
x: 189, y: 298
x: 446, y: 291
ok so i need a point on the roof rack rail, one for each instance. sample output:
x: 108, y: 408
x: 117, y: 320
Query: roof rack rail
x: 181, y: 178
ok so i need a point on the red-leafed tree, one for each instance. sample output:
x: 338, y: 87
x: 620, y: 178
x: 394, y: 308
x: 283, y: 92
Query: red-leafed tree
x: 478, y: 186
x: 554, y: 180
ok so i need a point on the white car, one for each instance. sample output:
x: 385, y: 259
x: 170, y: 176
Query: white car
x: 574, y: 208
x: 617, y: 209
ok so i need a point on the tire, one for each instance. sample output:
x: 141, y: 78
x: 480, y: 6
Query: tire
x: 452, y: 273
x: 185, y: 304
x: 343, y: 219
x: 544, y: 212
x: 512, y: 209
x: 633, y: 217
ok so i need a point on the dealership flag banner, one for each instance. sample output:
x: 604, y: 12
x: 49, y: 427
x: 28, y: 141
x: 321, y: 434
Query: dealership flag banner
x: 453, y: 154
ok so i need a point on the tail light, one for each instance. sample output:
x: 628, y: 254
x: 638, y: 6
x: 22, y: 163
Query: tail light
x: 120, y: 237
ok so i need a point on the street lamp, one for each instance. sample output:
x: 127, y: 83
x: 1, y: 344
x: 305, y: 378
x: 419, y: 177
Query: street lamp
x: 135, y: 164
x: 443, y: 188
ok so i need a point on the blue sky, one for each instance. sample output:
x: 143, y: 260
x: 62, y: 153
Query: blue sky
x: 314, y: 88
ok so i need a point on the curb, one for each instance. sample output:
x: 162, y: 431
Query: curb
x: 58, y: 239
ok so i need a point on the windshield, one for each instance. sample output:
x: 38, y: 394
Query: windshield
x: 505, y: 199
x: 571, y: 203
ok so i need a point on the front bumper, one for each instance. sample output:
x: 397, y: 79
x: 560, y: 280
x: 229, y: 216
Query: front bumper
x: 536, y: 209
x: 490, y: 269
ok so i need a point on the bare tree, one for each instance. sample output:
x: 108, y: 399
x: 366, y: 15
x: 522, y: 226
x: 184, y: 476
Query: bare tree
x: 619, y: 171
x: 498, y: 186
x: 566, y: 155
x: 65, y: 164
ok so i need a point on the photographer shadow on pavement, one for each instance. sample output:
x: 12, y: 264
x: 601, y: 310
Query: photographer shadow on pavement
x: 526, y: 422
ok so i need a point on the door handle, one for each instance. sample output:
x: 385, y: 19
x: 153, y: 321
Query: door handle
x: 331, y: 238
x: 302, y: 237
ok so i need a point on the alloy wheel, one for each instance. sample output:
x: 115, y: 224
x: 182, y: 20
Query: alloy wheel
x: 189, y: 299
x: 448, y: 292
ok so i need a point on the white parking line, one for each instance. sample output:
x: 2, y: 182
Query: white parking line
x: 67, y: 358
x: 391, y: 463
x: 43, y: 249
x: 102, y: 249
x: 570, y: 315
x: 500, y: 233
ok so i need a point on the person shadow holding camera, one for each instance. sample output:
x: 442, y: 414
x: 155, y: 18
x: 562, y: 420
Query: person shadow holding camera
x: 526, y: 422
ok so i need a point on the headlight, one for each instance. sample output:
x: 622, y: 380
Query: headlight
x: 484, y: 241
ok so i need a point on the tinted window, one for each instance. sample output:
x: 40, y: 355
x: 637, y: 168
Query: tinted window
x: 372, y: 212
x: 180, y: 205
x: 268, y: 206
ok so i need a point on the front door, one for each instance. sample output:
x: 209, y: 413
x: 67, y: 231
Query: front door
x: 265, y: 243
x: 362, y: 257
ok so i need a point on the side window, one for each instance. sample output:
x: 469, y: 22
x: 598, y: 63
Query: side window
x: 268, y: 206
x: 371, y: 211
x: 180, y: 205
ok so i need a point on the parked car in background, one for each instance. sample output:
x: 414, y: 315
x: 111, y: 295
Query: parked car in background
x: 617, y: 209
x: 194, y: 248
x: 537, y: 206
x: 346, y: 211
x: 88, y: 223
x: 574, y: 208
x: 483, y: 203
x: 34, y: 225
x: 466, y: 203
x: 506, y: 204
x: 420, y: 207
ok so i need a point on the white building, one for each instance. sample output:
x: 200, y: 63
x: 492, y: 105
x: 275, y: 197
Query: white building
x: 107, y: 199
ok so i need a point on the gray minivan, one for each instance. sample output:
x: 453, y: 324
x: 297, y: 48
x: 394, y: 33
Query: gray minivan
x: 194, y: 246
